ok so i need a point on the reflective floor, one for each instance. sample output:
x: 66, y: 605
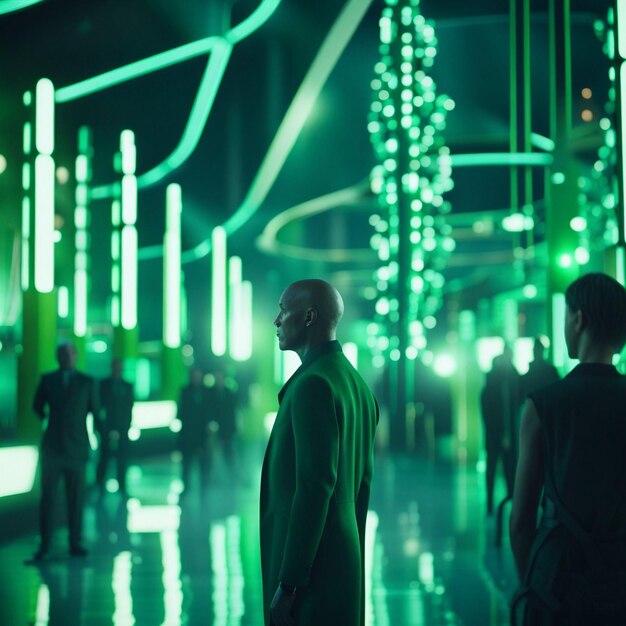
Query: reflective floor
x: 162, y: 559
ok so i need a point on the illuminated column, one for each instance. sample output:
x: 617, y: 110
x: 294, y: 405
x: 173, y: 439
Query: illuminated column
x: 520, y: 119
x: 124, y: 279
x: 39, y: 299
x: 172, y: 360
x: 561, y: 179
x: 412, y: 239
x: 239, y: 312
x: 219, y: 294
x: 82, y: 219
x: 617, y: 54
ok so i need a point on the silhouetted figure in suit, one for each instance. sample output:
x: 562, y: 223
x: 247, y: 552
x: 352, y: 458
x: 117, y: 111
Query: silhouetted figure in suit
x: 500, y: 403
x: 65, y: 397
x: 193, y: 413
x: 540, y: 373
x: 223, y: 411
x: 116, y: 401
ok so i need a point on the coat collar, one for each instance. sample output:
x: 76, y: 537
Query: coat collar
x: 311, y: 357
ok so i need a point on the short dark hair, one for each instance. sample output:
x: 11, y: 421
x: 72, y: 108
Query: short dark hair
x: 602, y: 301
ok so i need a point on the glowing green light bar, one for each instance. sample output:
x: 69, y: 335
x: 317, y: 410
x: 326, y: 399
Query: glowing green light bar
x: 621, y: 28
x: 171, y: 268
x: 153, y: 519
x: 500, y: 158
x: 63, y: 302
x: 44, y: 117
x: 128, y: 151
x: 246, y: 321
x: 8, y: 6
x: 44, y: 223
x: 218, y: 292
x: 80, y: 297
x: 235, y: 307
x: 129, y: 277
x: 19, y: 465
x: 559, y: 350
x: 623, y: 117
x: 129, y: 199
x: 541, y: 142
x: 27, y: 138
x: 25, y: 242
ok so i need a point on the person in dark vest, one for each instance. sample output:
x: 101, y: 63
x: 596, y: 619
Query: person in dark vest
x: 65, y: 397
x: 223, y: 411
x: 116, y: 401
x: 193, y: 413
x: 500, y: 404
x: 573, y: 448
x: 540, y: 373
x: 317, y: 472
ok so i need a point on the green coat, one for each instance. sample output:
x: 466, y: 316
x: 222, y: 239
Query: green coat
x: 315, y: 489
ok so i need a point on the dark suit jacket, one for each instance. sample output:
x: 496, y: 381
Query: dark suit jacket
x: 315, y: 489
x: 116, y: 402
x: 193, y: 412
x: 66, y: 406
x: 222, y: 408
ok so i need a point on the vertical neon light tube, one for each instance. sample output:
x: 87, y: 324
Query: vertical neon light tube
x: 218, y: 292
x: 235, y: 325
x: 81, y: 222
x: 246, y: 322
x: 25, y: 242
x: 129, y: 277
x: 63, y: 300
x: 559, y: 349
x: 129, y: 231
x: 116, y: 257
x: 44, y: 223
x: 171, y: 268
x: 44, y: 186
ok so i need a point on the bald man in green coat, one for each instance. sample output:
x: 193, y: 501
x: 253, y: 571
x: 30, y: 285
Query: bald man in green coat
x: 317, y: 472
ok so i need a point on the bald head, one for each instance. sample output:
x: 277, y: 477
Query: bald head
x: 310, y: 311
x: 320, y: 296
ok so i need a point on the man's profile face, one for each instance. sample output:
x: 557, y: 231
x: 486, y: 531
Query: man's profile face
x: 290, y: 321
x: 66, y: 356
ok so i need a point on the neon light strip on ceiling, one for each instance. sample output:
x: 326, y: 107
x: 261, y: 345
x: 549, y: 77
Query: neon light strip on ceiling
x: 9, y: 6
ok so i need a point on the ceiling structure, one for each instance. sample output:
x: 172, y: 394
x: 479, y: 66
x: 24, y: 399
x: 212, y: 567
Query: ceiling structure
x: 307, y: 211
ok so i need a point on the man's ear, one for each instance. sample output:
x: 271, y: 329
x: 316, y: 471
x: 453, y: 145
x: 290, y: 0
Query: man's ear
x: 579, y: 321
x: 311, y: 316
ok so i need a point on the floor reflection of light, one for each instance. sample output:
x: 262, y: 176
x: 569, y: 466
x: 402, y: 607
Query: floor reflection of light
x: 235, y: 570
x: 42, y: 613
x: 122, y: 573
x: 376, y: 613
x: 172, y: 586
x: 228, y: 581
x: 217, y: 539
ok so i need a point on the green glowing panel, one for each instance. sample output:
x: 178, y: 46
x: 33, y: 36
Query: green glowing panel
x: 44, y: 223
x: 246, y: 321
x: 487, y: 348
x: 44, y: 117
x: 27, y: 138
x: 129, y: 277
x: 148, y: 415
x: 156, y: 518
x: 128, y: 152
x: 559, y: 348
x: 218, y: 292
x: 623, y: 118
x: 19, y: 465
